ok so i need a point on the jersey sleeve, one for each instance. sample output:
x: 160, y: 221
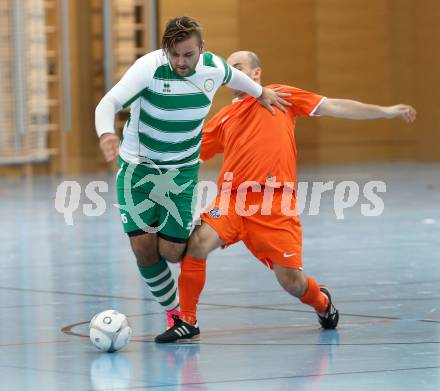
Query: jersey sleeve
x: 237, y: 80
x: 124, y: 92
x: 134, y: 81
x: 241, y: 82
x: 212, y: 142
x: 304, y: 103
x: 224, y: 68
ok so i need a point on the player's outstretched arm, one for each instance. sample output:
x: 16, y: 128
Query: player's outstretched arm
x: 351, y: 109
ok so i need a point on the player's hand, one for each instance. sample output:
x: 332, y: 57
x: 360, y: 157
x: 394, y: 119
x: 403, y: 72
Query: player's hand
x: 404, y: 112
x: 109, y: 144
x: 274, y: 97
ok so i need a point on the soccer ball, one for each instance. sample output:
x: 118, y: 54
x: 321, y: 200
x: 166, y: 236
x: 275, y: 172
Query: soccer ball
x: 110, y: 331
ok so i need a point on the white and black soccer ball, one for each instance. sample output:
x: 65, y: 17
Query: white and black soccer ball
x: 110, y: 331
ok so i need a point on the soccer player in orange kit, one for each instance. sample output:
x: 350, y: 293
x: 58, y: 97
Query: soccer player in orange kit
x: 260, y: 156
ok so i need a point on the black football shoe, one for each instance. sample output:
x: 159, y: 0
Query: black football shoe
x: 180, y: 331
x: 330, y: 319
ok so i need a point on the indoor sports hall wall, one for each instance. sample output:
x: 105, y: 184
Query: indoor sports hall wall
x: 378, y: 51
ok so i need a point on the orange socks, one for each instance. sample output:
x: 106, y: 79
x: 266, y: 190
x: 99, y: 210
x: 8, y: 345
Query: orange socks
x: 314, y: 297
x: 191, y: 282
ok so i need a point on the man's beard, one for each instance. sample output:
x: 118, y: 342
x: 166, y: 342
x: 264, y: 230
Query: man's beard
x: 185, y: 71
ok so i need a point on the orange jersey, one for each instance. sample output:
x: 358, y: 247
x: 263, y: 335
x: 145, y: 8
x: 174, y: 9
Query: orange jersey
x: 257, y: 145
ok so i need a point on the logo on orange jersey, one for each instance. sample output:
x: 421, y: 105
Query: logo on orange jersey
x: 215, y: 213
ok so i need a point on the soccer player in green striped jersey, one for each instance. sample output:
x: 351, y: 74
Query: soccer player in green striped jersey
x: 170, y: 92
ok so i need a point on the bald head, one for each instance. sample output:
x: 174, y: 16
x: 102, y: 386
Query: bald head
x: 245, y: 57
x: 247, y: 62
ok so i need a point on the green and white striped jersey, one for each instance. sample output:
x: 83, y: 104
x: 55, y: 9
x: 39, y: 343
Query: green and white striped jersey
x: 167, y: 110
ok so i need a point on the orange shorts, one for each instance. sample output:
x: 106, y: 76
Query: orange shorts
x: 270, y: 234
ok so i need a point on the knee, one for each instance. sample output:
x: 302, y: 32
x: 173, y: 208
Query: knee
x: 171, y: 251
x: 171, y: 257
x: 198, y: 244
x: 144, y: 250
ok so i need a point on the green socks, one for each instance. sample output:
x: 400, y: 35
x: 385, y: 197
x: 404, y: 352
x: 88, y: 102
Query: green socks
x: 161, y: 283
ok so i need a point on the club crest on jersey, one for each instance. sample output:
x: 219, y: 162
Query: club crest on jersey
x: 215, y: 213
x: 209, y: 85
x: 166, y: 87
